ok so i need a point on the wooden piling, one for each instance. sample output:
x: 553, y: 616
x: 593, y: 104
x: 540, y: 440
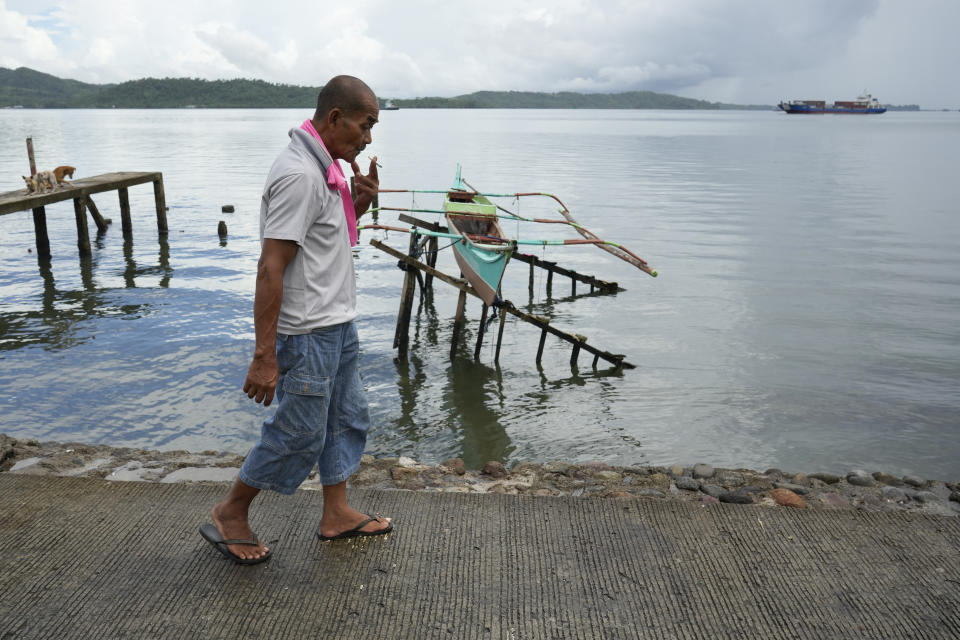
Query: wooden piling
x: 40, y: 232
x: 33, y: 162
x: 549, y: 283
x: 575, y: 355
x: 39, y: 213
x: 543, y: 340
x: 83, y: 234
x: 401, y: 337
x: 503, y: 321
x: 480, y: 331
x: 553, y: 267
x: 102, y: 223
x: 432, y: 247
x: 541, y: 323
x: 125, y: 220
x: 458, y: 322
x: 530, y: 284
x: 161, y: 202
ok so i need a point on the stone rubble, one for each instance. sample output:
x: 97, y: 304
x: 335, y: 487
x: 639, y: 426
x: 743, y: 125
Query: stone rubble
x: 701, y: 483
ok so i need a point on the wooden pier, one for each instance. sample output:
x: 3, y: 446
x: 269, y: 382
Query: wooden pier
x: 425, y: 247
x: 80, y: 191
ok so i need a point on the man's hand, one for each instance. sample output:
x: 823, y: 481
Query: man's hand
x: 261, y: 380
x: 364, y: 186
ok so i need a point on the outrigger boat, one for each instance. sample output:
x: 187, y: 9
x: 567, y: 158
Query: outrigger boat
x: 480, y: 246
x: 482, y: 251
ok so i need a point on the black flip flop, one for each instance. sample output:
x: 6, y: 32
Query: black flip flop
x: 356, y: 533
x: 212, y: 535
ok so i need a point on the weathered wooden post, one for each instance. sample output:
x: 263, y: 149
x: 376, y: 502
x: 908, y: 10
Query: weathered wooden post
x: 125, y: 221
x: 431, y: 260
x: 503, y: 318
x: 458, y: 322
x: 480, y: 330
x: 83, y: 235
x: 530, y: 286
x: 101, y: 222
x: 161, y: 203
x: 543, y: 340
x: 41, y: 238
x: 401, y: 336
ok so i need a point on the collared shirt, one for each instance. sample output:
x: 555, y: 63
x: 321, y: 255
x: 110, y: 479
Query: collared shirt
x: 319, y: 287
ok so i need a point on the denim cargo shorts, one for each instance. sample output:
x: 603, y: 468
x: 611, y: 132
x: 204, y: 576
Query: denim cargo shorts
x: 321, y: 418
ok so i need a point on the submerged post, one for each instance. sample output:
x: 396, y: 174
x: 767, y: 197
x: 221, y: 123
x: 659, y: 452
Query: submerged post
x: 83, y: 234
x: 125, y: 221
x: 161, y: 202
x: 483, y: 323
x: 458, y: 322
x: 503, y: 317
x: 102, y: 223
x: 401, y: 336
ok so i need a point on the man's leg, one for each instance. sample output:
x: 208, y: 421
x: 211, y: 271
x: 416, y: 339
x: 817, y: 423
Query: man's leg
x: 230, y: 518
x: 338, y: 516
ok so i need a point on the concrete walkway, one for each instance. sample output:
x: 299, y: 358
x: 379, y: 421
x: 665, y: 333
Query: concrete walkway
x: 84, y: 558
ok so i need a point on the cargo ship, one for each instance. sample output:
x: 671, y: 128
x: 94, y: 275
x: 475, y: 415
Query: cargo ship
x: 865, y: 103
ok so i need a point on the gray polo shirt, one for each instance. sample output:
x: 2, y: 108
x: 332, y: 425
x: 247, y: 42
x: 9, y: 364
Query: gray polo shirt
x: 319, y: 287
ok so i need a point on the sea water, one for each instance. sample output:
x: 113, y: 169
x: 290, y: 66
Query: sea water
x: 806, y: 316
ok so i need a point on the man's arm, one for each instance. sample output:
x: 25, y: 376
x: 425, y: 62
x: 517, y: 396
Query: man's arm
x: 263, y: 373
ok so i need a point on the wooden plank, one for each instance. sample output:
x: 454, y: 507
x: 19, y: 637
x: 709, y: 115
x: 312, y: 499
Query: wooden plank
x: 461, y: 284
x: 20, y: 200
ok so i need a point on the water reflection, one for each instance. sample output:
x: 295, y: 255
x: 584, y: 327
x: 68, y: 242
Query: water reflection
x: 132, y: 271
x: 57, y: 323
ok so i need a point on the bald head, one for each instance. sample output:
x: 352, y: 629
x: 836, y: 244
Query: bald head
x: 346, y: 93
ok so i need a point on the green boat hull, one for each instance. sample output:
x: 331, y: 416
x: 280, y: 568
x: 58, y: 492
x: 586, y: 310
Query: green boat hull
x: 473, y: 218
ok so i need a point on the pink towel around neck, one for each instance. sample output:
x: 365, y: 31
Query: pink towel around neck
x: 336, y: 179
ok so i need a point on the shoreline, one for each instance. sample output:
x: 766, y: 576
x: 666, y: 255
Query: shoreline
x: 700, y: 483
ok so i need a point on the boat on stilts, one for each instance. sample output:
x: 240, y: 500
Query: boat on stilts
x: 481, y: 249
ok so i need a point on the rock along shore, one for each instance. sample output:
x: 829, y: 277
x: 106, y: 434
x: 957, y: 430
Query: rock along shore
x: 701, y: 483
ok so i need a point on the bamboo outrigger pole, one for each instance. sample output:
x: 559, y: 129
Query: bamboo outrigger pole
x: 590, y: 238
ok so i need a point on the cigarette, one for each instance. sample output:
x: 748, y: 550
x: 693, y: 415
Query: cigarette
x: 374, y: 158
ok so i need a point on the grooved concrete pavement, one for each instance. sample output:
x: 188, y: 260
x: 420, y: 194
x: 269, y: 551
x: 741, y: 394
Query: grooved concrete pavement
x: 83, y: 558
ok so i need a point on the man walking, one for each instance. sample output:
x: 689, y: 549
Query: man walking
x: 306, y: 341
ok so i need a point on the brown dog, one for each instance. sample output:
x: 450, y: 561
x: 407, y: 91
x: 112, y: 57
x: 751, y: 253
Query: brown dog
x: 60, y: 172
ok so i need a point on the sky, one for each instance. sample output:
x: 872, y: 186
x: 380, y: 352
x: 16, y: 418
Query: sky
x: 736, y: 51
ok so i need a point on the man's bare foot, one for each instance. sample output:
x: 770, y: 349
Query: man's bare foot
x: 236, y: 527
x: 338, y: 521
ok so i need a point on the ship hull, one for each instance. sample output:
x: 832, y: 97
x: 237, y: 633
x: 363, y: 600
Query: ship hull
x: 793, y: 108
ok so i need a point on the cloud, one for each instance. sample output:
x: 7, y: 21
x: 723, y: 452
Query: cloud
x: 247, y: 54
x: 730, y: 50
x: 23, y: 45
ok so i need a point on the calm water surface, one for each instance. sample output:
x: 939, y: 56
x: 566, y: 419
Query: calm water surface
x: 807, y: 315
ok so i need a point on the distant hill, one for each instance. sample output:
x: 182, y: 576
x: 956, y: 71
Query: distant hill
x: 32, y: 89
x: 567, y: 100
